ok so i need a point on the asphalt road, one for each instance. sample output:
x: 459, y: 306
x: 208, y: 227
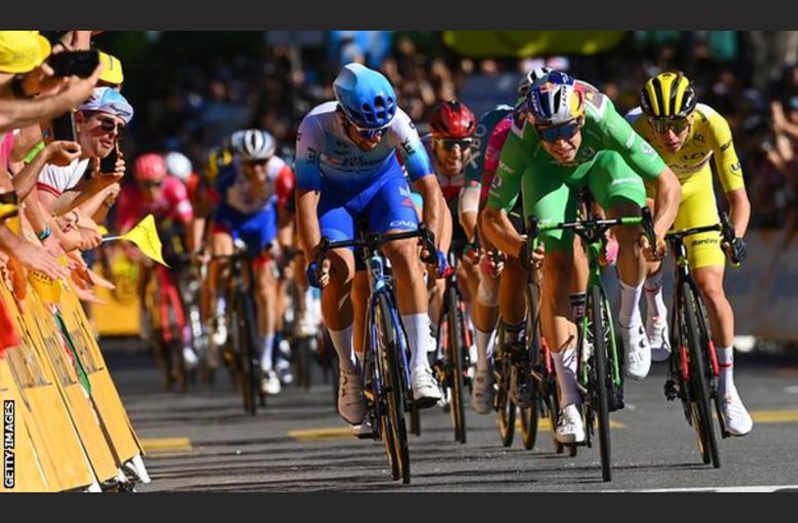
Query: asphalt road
x: 202, y: 440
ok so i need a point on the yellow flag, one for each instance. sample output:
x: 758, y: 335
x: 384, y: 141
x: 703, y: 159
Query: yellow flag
x: 145, y: 236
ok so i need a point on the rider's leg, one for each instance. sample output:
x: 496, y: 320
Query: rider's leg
x: 511, y: 302
x: 578, y: 282
x: 266, y: 299
x: 218, y: 274
x: 360, y: 297
x: 619, y: 190
x: 438, y: 286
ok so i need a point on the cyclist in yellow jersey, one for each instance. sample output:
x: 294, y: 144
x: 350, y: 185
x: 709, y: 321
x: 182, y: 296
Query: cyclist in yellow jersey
x: 687, y: 135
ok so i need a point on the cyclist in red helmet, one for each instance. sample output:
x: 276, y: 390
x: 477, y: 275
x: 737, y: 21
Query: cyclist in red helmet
x: 166, y: 198
x: 452, y: 127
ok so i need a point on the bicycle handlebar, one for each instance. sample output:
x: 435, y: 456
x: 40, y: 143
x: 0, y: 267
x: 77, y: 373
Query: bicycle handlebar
x: 737, y: 253
x: 591, y: 230
x: 373, y: 241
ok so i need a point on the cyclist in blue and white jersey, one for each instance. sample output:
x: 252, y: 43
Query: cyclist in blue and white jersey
x: 348, y: 170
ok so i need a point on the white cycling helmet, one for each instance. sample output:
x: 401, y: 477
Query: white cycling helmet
x: 178, y: 165
x: 253, y: 144
x: 532, y: 76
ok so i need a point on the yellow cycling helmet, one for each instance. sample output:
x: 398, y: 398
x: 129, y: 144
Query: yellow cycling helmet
x: 668, y: 95
x: 217, y: 160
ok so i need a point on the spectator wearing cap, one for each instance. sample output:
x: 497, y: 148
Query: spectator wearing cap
x: 29, y: 93
x: 79, y: 189
x: 112, y: 74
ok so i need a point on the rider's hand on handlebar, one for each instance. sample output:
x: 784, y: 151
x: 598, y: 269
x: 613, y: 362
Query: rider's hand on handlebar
x: 318, y: 274
x: 492, y: 263
x: 736, y: 251
x: 472, y: 253
x: 531, y: 259
x: 659, y: 253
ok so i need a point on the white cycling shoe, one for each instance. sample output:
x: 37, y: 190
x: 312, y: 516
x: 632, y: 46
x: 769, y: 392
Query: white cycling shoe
x: 658, y: 337
x: 569, y: 426
x: 735, y: 416
x: 636, y: 350
x: 270, y: 383
x: 351, y: 401
x: 190, y: 358
x: 426, y: 390
x: 482, y: 393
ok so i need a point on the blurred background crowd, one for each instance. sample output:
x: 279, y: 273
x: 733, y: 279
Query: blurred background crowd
x: 205, y: 85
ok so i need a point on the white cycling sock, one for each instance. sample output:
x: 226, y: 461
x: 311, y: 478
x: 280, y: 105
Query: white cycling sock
x: 418, y: 338
x: 726, y: 364
x: 629, y: 315
x: 342, y: 341
x: 654, y: 300
x: 266, y: 362
x: 485, y: 344
x: 565, y: 365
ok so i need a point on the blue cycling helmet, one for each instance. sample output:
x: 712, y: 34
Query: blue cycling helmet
x: 366, y: 96
x: 554, y: 100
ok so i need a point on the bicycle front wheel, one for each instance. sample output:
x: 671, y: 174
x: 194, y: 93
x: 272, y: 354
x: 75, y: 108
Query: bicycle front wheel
x: 455, y: 348
x: 699, y: 381
x: 505, y: 406
x: 529, y: 416
x: 389, y: 354
x: 602, y: 384
x: 245, y: 346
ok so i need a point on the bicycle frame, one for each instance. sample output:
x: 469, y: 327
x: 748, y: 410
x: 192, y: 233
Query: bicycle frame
x: 592, y: 233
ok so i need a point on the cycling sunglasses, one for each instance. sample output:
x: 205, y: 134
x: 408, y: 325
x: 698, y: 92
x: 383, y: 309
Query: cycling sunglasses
x: 449, y: 143
x: 262, y: 161
x: 661, y: 125
x: 152, y: 183
x: 554, y: 133
x: 108, y: 125
x: 366, y: 134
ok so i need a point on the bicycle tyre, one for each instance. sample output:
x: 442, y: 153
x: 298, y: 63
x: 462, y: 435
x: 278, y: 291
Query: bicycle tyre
x: 303, y: 358
x: 602, y: 376
x: 389, y: 354
x: 705, y: 428
x: 504, y: 404
x: 246, y: 350
x: 530, y: 415
x: 455, y: 347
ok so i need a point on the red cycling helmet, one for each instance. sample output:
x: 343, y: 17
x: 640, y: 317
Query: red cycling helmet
x: 150, y: 167
x: 452, y: 119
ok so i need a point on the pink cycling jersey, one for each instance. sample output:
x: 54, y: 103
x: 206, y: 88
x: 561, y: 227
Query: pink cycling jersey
x: 173, y: 203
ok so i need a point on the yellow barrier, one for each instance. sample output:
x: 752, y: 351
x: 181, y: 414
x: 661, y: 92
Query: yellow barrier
x: 71, y: 429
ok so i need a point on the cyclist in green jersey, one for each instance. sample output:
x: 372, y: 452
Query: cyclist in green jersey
x: 572, y: 140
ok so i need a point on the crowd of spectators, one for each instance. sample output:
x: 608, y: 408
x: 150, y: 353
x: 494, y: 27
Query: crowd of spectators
x: 749, y: 77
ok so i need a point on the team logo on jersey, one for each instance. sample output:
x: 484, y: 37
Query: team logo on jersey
x: 725, y: 146
x: 312, y: 154
x: 402, y: 224
x: 496, y: 183
x: 407, y: 145
x: 699, y: 137
x: 736, y: 168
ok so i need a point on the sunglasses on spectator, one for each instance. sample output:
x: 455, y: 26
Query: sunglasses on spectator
x: 152, y: 183
x: 449, y: 143
x: 554, y: 133
x: 661, y: 125
x: 108, y: 125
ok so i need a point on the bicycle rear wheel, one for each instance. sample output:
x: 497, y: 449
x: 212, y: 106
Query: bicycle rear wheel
x: 602, y: 380
x: 389, y: 354
x: 699, y: 381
